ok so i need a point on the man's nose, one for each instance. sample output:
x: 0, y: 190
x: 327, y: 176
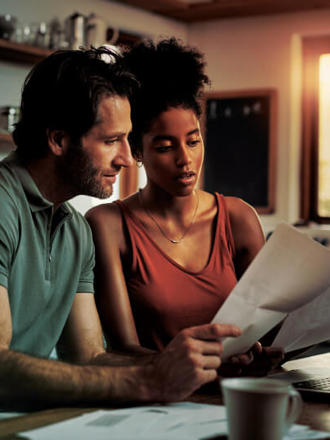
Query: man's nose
x: 124, y: 156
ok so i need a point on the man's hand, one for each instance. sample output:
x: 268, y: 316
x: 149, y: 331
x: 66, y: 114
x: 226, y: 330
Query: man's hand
x: 258, y: 361
x: 190, y: 360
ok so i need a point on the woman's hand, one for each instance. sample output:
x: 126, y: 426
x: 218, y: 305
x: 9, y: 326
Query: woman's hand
x: 258, y: 361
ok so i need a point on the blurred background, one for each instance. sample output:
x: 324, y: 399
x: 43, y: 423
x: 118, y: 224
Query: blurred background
x: 253, y: 49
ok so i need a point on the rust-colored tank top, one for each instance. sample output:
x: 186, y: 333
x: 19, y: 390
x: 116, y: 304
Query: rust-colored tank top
x: 166, y: 298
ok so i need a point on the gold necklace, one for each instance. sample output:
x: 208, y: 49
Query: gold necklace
x: 179, y: 240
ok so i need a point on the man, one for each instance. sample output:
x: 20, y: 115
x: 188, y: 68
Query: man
x: 72, y: 138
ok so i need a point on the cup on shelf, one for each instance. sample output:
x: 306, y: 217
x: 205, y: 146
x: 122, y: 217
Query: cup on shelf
x: 96, y: 31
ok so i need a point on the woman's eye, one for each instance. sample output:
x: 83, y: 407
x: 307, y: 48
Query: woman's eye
x: 163, y: 149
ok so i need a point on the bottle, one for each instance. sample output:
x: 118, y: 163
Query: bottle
x: 55, y: 34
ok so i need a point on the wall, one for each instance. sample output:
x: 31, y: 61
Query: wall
x: 265, y: 52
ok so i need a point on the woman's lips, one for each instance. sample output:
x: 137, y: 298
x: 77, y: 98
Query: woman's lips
x: 187, y: 178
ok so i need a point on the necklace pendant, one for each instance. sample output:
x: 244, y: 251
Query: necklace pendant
x: 159, y: 227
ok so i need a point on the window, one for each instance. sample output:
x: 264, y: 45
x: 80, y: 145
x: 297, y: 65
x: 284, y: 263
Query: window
x: 323, y: 200
x: 315, y: 200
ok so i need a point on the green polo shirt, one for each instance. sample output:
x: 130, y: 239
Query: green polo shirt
x: 42, y: 267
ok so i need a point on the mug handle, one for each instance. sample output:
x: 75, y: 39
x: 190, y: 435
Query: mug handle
x: 294, y: 407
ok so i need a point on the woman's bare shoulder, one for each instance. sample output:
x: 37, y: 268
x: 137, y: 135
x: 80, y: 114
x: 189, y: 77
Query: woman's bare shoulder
x: 244, y: 219
x: 238, y: 209
x: 108, y: 211
x: 103, y: 212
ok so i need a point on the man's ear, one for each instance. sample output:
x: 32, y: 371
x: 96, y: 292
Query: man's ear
x: 57, y: 141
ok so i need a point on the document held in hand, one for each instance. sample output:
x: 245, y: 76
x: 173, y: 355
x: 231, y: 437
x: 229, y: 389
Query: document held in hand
x: 288, y: 280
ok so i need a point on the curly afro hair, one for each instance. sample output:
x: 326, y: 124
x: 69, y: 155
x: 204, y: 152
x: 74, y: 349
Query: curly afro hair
x: 170, y: 75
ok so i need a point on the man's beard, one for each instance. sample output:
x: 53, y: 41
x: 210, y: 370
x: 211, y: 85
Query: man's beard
x: 76, y: 170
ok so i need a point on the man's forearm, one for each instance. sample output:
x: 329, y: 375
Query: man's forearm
x: 123, y: 359
x: 189, y: 361
x: 40, y: 381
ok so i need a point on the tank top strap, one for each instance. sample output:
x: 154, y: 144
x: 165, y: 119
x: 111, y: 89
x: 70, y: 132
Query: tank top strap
x: 129, y: 217
x: 224, y: 226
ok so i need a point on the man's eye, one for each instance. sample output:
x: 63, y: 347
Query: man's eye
x: 110, y: 141
x: 194, y: 143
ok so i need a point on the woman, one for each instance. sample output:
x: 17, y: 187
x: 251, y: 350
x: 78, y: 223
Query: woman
x: 170, y: 254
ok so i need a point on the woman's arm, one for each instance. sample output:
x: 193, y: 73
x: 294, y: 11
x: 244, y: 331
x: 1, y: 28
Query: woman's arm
x: 247, y: 233
x: 111, y: 292
x: 249, y: 239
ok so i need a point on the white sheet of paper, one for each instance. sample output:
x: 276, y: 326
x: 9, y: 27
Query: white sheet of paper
x: 308, y: 325
x: 164, y: 422
x: 178, y: 421
x: 8, y: 415
x: 290, y: 270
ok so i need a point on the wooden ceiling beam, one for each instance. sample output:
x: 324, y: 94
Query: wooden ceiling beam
x: 159, y: 5
x: 215, y: 9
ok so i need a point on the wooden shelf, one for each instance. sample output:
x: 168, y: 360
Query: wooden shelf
x: 27, y: 54
x: 21, y: 53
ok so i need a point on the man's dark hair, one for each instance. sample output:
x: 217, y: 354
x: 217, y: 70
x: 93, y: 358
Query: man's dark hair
x: 62, y: 92
x: 170, y: 75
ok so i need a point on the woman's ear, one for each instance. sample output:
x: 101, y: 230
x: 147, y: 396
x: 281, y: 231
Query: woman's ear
x: 57, y: 141
x: 138, y: 156
x: 138, y: 160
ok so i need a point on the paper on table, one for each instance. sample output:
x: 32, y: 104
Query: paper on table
x: 307, y: 325
x: 8, y: 415
x: 289, y: 271
x: 178, y: 421
x: 164, y: 422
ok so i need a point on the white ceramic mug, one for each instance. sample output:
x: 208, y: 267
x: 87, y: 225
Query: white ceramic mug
x: 259, y: 408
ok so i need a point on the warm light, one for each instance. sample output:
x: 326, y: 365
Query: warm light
x: 324, y: 137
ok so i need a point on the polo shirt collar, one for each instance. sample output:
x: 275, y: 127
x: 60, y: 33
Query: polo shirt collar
x: 36, y: 200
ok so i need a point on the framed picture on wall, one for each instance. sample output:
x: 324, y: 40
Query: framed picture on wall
x: 240, y: 145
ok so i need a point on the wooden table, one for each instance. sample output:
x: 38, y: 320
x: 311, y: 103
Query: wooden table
x: 314, y: 414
